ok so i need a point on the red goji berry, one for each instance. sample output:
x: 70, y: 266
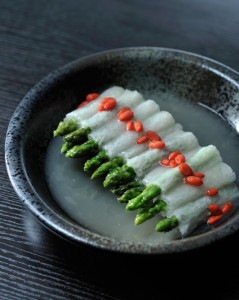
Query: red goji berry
x: 91, y: 97
x: 156, y: 145
x: 185, y: 169
x: 193, y: 180
x: 227, y: 207
x: 138, y: 125
x: 213, y: 219
x: 212, y: 192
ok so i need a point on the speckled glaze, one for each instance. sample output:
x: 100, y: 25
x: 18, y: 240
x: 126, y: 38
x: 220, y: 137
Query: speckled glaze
x: 146, y: 69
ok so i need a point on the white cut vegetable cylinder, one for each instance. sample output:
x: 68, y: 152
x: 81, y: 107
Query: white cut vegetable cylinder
x: 157, y: 171
x: 184, y: 193
x: 143, y: 162
x: 90, y: 109
x: 115, y: 128
x: 146, y: 109
x: 128, y: 98
x: 206, y: 155
x: 137, y: 149
x: 159, y: 122
x: 194, y: 213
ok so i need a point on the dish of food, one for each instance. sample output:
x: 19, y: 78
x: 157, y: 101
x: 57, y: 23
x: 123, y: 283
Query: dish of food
x: 149, y: 162
x: 197, y: 101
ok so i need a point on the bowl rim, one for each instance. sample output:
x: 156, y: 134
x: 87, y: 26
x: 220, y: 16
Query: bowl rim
x: 78, y: 234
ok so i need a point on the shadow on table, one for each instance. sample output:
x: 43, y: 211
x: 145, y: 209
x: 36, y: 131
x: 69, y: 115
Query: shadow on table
x: 208, y: 272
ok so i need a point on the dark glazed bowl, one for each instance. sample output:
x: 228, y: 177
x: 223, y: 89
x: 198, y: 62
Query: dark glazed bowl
x: 148, y: 70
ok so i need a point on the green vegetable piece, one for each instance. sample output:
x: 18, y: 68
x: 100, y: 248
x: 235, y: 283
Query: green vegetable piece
x: 149, y: 212
x: 77, y: 136
x: 65, y: 127
x: 130, y: 194
x: 93, y: 163
x: 123, y: 188
x: 84, y: 149
x: 106, y: 167
x: 148, y: 194
x: 118, y: 176
x: 65, y: 147
x: 166, y: 224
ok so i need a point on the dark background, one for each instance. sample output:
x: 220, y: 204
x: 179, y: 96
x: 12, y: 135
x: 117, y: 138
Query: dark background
x: 39, y: 36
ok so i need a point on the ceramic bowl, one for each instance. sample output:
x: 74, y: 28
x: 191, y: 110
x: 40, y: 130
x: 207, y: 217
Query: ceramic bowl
x: 146, y: 69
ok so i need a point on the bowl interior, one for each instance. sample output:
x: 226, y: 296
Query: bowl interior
x: 151, y: 71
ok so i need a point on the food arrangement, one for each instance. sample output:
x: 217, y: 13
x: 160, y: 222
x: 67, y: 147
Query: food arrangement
x: 148, y: 161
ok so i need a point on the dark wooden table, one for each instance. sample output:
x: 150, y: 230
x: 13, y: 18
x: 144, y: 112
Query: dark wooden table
x: 39, y: 36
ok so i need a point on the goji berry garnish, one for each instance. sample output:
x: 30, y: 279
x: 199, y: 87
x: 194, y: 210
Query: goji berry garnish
x: 193, y: 180
x: 126, y: 116
x: 91, y: 97
x: 164, y: 162
x: 130, y: 125
x: 172, y: 163
x: 213, y: 219
x: 212, y: 192
x: 199, y: 174
x: 227, y: 207
x: 172, y: 155
x: 107, y: 104
x: 215, y: 209
x: 102, y: 103
x: 142, y: 139
x: 110, y: 104
x: 185, y: 169
x: 123, y: 109
x: 138, y: 125
x: 180, y: 158
x: 83, y: 104
x: 153, y: 136
x: 156, y: 145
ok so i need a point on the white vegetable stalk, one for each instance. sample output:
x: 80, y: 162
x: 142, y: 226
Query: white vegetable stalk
x: 90, y: 109
x: 196, y: 212
x: 157, y: 171
x: 184, y: 193
x: 206, y: 155
x: 115, y: 128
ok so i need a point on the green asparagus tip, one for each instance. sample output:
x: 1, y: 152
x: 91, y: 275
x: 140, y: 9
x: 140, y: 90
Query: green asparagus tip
x: 81, y: 150
x: 65, y: 127
x: 107, y: 167
x: 130, y: 194
x: 77, y: 136
x: 148, y: 194
x: 65, y: 147
x: 149, y: 212
x: 118, y: 176
x: 93, y: 163
x: 166, y: 224
x: 124, y: 187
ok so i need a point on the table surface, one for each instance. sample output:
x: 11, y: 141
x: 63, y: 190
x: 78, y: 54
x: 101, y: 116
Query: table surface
x: 37, y: 37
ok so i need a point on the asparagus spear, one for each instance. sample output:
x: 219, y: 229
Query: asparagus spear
x: 166, y: 224
x: 81, y: 150
x: 123, y: 188
x: 77, y: 136
x: 65, y: 127
x: 106, y: 167
x: 118, y: 176
x: 148, y: 194
x: 96, y: 161
x: 149, y: 212
x: 66, y: 146
x: 130, y: 194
